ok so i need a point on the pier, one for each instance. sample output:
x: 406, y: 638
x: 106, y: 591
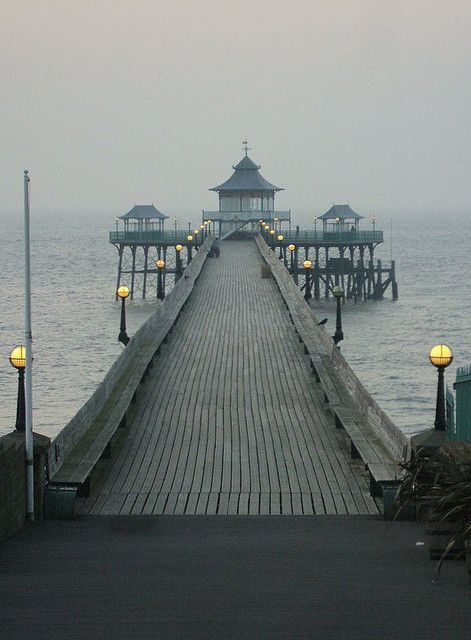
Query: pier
x: 229, y: 400
x: 227, y: 479
x: 231, y: 476
x: 234, y: 423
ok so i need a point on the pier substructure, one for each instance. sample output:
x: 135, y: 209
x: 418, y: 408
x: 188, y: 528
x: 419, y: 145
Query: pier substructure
x: 345, y: 259
x: 138, y: 254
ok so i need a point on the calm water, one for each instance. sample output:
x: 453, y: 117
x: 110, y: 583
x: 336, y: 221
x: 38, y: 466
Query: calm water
x: 76, y: 319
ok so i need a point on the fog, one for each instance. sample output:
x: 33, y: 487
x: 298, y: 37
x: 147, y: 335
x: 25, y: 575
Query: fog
x: 109, y: 104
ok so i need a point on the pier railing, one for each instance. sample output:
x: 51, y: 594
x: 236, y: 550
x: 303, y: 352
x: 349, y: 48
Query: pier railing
x: 332, y: 237
x: 141, y: 349
x: 387, y: 432
x: 246, y: 216
x: 150, y: 237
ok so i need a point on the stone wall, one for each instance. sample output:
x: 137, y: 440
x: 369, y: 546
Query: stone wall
x: 12, y: 480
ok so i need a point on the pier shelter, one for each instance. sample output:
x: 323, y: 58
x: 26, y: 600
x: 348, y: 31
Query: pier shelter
x: 143, y: 218
x: 244, y: 199
x: 142, y: 241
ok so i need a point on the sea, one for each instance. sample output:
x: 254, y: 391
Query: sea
x: 75, y: 315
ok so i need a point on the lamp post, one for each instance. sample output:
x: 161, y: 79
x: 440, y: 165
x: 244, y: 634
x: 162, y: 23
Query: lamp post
x: 292, y: 249
x: 18, y: 361
x: 275, y: 220
x: 178, y: 262
x: 195, y: 235
x: 441, y: 356
x: 338, y: 294
x: 307, y: 264
x: 272, y: 237
x: 203, y: 235
x: 280, y: 239
x: 315, y: 227
x: 123, y: 293
x: 160, y: 264
x: 175, y: 222
x: 373, y: 220
x: 190, y: 240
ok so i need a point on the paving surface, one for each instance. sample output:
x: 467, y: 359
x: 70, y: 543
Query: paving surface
x: 232, y: 577
x: 231, y: 421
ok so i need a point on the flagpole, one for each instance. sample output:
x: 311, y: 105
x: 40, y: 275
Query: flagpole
x: 29, y: 363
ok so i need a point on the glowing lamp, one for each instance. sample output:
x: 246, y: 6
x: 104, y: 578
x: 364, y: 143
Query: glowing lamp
x: 441, y: 355
x: 18, y: 357
x: 123, y: 292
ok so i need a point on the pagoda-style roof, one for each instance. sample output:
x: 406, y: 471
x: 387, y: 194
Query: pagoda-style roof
x: 144, y: 212
x: 246, y: 177
x: 341, y: 211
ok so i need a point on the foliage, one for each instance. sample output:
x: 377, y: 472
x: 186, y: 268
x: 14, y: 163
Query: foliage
x: 438, y: 483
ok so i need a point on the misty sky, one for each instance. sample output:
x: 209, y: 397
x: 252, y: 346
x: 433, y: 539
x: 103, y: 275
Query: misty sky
x: 112, y: 102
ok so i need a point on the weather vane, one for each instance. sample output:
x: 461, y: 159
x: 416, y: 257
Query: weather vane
x: 245, y: 147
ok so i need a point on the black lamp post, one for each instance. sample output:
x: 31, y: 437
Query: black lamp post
x: 160, y: 264
x: 190, y: 240
x: 272, y: 238
x: 338, y: 294
x: 280, y: 239
x: 441, y: 356
x: 123, y: 293
x: 18, y: 361
x: 178, y: 262
x: 307, y: 264
x: 292, y: 249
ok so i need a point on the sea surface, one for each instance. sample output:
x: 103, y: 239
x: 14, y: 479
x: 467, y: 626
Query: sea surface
x: 76, y: 318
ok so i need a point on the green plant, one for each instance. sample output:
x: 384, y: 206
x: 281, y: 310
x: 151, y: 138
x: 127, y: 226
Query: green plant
x: 438, y: 483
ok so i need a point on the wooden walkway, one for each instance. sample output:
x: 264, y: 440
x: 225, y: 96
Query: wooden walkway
x: 230, y: 420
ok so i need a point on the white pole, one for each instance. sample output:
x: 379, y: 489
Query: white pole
x: 29, y: 363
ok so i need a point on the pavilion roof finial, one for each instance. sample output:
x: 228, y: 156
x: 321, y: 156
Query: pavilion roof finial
x: 245, y: 147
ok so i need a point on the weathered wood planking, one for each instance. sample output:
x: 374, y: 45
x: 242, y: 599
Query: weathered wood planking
x: 231, y: 420
x: 78, y: 447
x: 374, y: 437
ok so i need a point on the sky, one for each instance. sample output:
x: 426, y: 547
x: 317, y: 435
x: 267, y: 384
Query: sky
x: 113, y: 103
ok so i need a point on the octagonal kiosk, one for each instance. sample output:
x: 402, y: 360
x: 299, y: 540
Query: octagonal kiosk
x: 245, y: 199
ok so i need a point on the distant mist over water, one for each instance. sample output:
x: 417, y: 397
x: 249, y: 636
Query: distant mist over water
x: 76, y: 319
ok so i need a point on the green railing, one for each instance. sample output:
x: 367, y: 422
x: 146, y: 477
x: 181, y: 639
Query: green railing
x: 246, y: 216
x: 331, y: 237
x: 462, y: 386
x: 153, y: 237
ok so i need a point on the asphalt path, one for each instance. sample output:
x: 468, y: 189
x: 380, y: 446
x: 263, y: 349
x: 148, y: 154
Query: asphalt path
x: 224, y: 577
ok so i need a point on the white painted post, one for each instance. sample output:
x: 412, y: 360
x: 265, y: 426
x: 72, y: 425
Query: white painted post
x: 29, y: 363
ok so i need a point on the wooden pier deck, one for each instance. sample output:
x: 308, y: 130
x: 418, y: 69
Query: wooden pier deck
x: 230, y: 420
